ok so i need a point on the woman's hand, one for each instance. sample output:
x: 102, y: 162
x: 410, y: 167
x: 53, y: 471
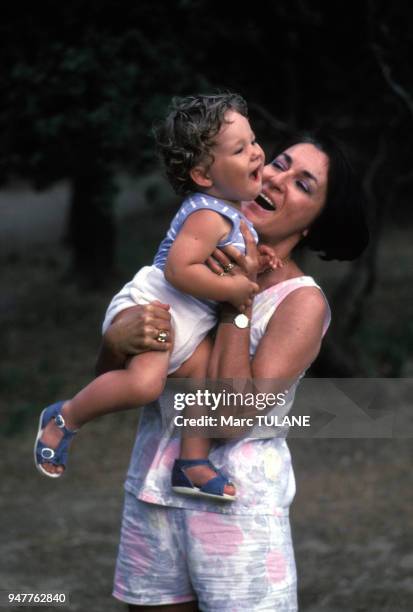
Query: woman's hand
x: 231, y: 261
x: 136, y: 330
x: 133, y: 331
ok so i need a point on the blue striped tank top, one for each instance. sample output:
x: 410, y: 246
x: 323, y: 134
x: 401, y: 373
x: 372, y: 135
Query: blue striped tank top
x: 199, y: 201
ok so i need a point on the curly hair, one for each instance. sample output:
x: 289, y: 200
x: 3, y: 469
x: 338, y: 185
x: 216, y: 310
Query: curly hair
x: 186, y: 135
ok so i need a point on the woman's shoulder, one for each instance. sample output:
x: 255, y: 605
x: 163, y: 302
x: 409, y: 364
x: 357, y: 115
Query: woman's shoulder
x: 298, y: 293
x: 305, y: 291
x: 299, y: 284
x: 304, y: 297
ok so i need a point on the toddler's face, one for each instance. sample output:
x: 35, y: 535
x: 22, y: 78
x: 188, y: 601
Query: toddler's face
x: 236, y: 172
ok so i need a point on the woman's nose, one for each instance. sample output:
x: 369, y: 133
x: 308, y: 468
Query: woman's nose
x: 274, y: 181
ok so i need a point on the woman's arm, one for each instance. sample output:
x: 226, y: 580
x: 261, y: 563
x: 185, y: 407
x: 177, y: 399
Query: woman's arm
x: 230, y: 353
x: 293, y: 337
x: 291, y: 342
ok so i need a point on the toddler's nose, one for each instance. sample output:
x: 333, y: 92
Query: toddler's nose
x: 257, y: 152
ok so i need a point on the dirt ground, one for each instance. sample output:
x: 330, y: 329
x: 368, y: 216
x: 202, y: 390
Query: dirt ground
x: 352, y: 518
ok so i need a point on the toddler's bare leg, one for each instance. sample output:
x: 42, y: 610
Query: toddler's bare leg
x: 195, y: 447
x: 141, y: 383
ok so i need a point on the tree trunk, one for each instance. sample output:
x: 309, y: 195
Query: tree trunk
x: 91, y: 227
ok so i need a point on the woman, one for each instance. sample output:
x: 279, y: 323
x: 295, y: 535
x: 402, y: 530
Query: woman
x: 177, y: 553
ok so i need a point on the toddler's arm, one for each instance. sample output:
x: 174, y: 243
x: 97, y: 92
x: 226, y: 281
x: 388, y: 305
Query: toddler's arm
x: 186, y: 269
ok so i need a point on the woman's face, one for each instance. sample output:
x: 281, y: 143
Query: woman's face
x: 293, y: 193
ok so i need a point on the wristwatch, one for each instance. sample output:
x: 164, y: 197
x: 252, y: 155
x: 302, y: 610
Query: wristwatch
x: 241, y: 321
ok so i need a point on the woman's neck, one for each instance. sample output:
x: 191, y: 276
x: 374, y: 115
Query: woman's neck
x: 282, y: 250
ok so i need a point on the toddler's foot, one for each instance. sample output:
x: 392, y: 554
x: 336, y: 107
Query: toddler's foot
x: 51, y: 437
x: 199, y: 478
x: 201, y: 474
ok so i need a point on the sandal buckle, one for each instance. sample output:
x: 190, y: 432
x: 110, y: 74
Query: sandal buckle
x: 59, y: 420
x: 47, y: 453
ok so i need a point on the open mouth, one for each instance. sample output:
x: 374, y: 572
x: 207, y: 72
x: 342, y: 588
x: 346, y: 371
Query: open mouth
x: 265, y: 202
x: 256, y: 175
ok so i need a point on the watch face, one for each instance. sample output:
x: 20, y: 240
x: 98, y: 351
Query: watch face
x: 241, y: 321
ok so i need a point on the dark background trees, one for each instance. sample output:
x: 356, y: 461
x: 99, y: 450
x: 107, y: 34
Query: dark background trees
x: 82, y: 83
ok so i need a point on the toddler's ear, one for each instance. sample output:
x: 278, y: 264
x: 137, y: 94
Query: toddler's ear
x: 200, y: 176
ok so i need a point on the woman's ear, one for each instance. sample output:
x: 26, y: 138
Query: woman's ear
x: 200, y: 176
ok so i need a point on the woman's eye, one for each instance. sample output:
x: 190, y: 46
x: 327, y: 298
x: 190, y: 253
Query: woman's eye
x: 303, y: 186
x: 277, y: 164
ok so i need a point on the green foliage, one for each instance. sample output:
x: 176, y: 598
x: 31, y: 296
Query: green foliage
x: 86, y: 83
x: 83, y: 87
x: 80, y: 91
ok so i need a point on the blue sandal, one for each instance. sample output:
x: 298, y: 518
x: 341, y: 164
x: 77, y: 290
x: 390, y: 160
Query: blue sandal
x: 213, y: 489
x: 44, y: 454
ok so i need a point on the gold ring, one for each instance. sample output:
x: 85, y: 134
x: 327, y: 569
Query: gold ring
x: 162, y: 336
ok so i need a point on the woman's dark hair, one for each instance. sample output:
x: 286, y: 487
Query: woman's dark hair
x: 340, y: 231
x: 185, y: 137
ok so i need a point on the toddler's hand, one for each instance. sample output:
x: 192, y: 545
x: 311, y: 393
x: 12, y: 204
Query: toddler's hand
x: 268, y: 259
x: 243, y: 292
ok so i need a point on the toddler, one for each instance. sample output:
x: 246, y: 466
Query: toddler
x: 211, y: 157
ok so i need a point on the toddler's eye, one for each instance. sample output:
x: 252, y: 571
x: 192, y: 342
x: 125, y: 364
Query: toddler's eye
x: 238, y: 151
